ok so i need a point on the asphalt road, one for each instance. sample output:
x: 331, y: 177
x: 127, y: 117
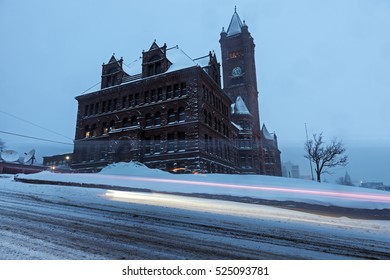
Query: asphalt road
x: 35, y: 224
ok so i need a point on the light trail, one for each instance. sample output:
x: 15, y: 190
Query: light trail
x: 335, y: 194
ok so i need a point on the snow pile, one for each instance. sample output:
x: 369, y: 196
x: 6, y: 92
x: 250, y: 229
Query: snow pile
x: 137, y: 176
x: 131, y: 168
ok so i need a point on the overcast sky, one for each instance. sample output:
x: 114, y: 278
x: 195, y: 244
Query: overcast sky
x: 324, y: 63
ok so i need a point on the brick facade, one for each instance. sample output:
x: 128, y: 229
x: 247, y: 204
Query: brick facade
x: 171, y: 113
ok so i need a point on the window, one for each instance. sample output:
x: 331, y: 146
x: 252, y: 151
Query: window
x: 104, y: 107
x: 169, y: 92
x: 157, y: 144
x: 171, y: 116
x: 104, y: 128
x: 148, y: 120
x: 112, y: 125
x: 154, y: 95
x: 114, y: 103
x: 136, y: 99
x: 97, y: 108
x: 146, y: 97
x: 205, y: 116
x: 91, y: 109
x: 87, y: 132
x: 109, y: 104
x: 210, y: 120
x: 206, y: 142
x: 160, y: 94
x: 182, y: 114
x: 157, y: 118
x: 125, y: 122
x: 176, y: 90
x: 130, y: 100
x: 181, y: 137
x: 183, y: 89
x: 86, y: 110
x: 133, y: 121
x: 124, y: 102
x: 147, y: 145
x: 171, y: 142
x: 93, y: 130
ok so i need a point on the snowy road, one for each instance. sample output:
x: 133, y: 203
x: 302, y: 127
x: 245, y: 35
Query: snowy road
x: 54, y: 222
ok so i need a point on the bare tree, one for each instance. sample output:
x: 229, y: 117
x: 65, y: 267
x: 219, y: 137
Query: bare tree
x: 325, y: 157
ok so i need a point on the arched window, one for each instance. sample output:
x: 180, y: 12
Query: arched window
x: 125, y: 122
x: 93, y: 130
x: 157, y: 118
x: 182, y: 114
x: 171, y: 116
x: 87, y: 132
x: 133, y: 121
x: 112, y: 125
x: 148, y: 119
x: 104, y: 128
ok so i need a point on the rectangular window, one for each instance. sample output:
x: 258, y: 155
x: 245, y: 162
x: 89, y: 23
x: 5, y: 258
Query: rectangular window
x: 136, y: 99
x: 146, y: 97
x: 114, y: 103
x: 176, y: 90
x: 97, y: 108
x: 130, y: 100
x: 182, y: 144
x: 169, y: 92
x: 157, y: 144
x: 109, y: 104
x: 153, y: 95
x: 171, y: 142
x: 91, y: 107
x: 124, y: 102
x: 86, y: 110
x: 147, y: 145
x: 104, y: 107
x: 183, y: 89
x: 160, y: 94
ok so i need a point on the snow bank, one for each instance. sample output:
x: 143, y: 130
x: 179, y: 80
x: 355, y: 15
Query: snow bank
x: 138, y: 176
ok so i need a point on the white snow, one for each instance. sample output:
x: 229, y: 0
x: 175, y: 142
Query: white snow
x: 235, y: 25
x: 239, y: 107
x: 136, y: 175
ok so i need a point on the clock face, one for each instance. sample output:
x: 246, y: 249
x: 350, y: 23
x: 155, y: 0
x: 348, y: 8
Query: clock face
x: 236, y: 71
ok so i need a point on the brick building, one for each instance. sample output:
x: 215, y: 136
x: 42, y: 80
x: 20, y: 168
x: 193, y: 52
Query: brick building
x: 170, y: 112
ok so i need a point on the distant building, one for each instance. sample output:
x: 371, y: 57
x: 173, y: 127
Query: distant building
x: 375, y: 185
x: 291, y: 170
x: 62, y: 161
x: 170, y: 112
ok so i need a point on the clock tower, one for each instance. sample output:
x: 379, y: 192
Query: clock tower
x: 239, y: 81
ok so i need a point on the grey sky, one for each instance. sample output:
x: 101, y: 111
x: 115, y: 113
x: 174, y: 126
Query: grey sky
x: 324, y: 63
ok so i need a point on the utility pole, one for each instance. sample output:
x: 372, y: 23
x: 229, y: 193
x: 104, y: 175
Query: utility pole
x: 311, y: 166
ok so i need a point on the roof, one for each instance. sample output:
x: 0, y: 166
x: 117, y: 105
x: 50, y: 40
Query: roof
x: 179, y: 59
x: 239, y: 107
x: 266, y: 134
x: 235, y: 25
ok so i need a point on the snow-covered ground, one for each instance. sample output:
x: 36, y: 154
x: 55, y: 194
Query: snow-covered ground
x: 135, y: 175
x: 46, y: 221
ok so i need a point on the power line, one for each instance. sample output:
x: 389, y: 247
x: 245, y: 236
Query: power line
x: 34, y: 124
x: 35, y: 138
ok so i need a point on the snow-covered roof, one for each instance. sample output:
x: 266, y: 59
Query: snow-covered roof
x: 235, y: 25
x: 266, y: 134
x: 179, y: 59
x: 237, y: 126
x: 239, y: 107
